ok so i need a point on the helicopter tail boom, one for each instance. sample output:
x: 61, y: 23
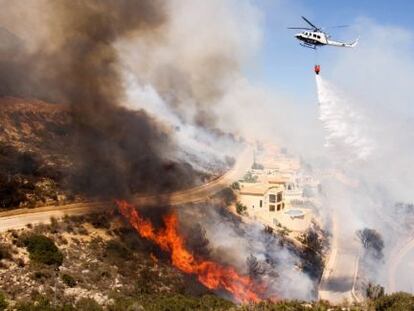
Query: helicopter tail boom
x: 343, y: 44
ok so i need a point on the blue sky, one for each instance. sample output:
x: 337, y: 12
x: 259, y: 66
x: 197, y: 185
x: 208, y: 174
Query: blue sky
x: 284, y: 65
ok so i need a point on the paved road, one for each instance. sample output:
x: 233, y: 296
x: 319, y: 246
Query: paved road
x: 200, y: 193
x: 338, y: 279
x: 401, y: 268
x: 19, y: 218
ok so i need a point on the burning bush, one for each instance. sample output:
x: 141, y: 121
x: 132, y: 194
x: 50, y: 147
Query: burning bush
x: 211, y: 274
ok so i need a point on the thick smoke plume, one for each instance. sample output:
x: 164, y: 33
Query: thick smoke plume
x: 76, y: 63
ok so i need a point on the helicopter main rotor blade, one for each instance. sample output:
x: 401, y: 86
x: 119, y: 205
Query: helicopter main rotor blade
x: 339, y: 26
x: 300, y: 28
x: 306, y: 20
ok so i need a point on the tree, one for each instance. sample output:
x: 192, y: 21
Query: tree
x: 249, y: 177
x: 374, y: 291
x: 235, y: 185
x: 257, y: 166
x: 254, y: 267
x: 240, y: 208
x: 372, y: 242
x: 312, y: 254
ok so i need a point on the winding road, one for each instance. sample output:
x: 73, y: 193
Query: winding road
x: 19, y: 218
x: 339, y: 276
x: 398, y: 267
x: 337, y: 280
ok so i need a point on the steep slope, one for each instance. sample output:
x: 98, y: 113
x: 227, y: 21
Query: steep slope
x: 41, y: 158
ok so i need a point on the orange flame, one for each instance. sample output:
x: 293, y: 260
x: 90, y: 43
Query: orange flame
x: 209, y: 273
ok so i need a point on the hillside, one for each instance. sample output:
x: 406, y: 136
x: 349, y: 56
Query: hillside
x: 34, y: 152
x: 98, y: 262
x: 33, y: 125
x: 41, y: 159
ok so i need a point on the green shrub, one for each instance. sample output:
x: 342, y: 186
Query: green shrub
x: 249, y: 177
x: 43, y: 250
x: 68, y: 280
x: 40, y: 275
x: 180, y: 302
x: 5, y: 251
x: 146, y: 281
x: 100, y: 221
x: 88, y: 304
x: 41, y: 303
x: 235, y: 185
x: 117, y: 250
x: 374, y: 291
x: 3, y: 302
x: 240, y: 208
x: 397, y: 301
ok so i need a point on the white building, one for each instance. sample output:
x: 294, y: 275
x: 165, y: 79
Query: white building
x: 262, y: 198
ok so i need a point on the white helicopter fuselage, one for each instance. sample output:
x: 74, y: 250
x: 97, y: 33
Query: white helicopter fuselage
x: 316, y: 38
x: 312, y: 37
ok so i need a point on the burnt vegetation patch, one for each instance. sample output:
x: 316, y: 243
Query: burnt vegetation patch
x: 26, y: 179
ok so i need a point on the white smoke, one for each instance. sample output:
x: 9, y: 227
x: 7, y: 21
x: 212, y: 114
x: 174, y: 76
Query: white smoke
x: 196, y: 145
x: 233, y: 242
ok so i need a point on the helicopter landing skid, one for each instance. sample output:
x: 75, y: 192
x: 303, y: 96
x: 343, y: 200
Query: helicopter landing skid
x: 309, y: 46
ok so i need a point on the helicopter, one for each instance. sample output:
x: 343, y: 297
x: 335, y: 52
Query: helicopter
x: 315, y: 37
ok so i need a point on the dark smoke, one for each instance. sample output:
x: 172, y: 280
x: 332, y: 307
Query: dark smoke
x: 119, y: 151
